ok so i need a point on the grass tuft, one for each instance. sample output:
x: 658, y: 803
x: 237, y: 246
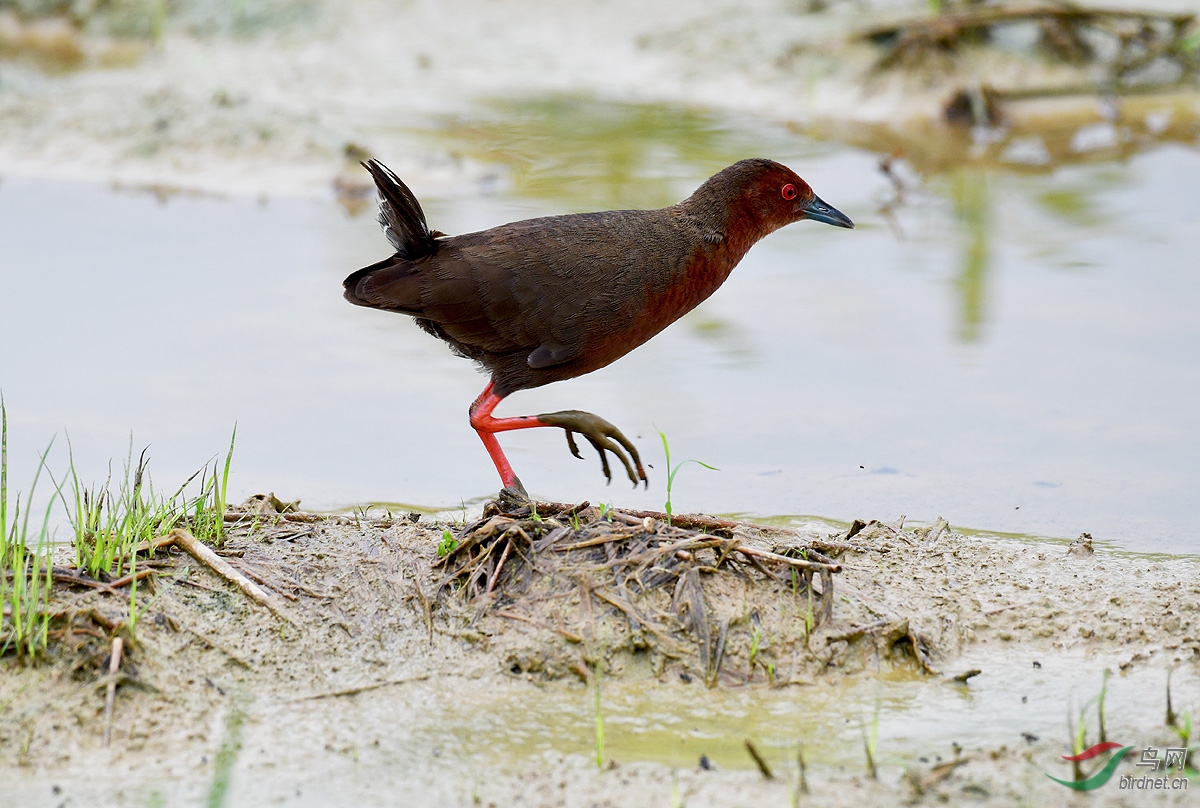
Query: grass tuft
x: 26, y: 575
x: 110, y: 520
x: 108, y: 524
x: 1077, y: 724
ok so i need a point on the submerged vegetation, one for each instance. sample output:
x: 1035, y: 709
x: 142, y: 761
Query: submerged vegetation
x: 111, y: 523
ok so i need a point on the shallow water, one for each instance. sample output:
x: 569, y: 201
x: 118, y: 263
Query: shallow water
x: 918, y: 716
x: 521, y: 725
x: 1014, y: 352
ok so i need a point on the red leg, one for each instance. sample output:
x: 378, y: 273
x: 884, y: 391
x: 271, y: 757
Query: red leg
x: 487, y: 427
x: 603, y: 436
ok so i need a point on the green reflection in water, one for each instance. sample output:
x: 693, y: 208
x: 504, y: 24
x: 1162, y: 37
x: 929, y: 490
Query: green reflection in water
x: 589, y: 154
x: 969, y: 193
x: 1070, y: 204
x: 1070, y: 198
x: 674, y: 724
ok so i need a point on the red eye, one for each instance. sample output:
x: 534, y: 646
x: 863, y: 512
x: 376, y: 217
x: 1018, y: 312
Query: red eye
x: 789, y: 192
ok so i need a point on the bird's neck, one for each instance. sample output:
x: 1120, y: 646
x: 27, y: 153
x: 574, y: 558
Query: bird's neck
x: 734, y: 226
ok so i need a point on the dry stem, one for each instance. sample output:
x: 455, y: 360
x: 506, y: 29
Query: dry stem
x: 110, y: 697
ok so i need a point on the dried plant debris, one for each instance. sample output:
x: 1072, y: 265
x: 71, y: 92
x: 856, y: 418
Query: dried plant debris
x: 731, y: 605
x: 1111, y: 50
x: 1125, y: 40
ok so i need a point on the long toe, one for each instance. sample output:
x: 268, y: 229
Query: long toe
x: 603, y: 436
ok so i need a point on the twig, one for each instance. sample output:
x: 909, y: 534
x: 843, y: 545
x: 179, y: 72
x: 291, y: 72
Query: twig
x: 937, y: 774
x: 499, y: 566
x: 558, y: 510
x: 188, y: 543
x: 66, y: 576
x: 820, y: 558
x: 945, y: 27
x: 759, y: 761
x: 663, y: 550
x: 630, y: 519
x: 353, y: 691
x: 759, y: 566
x: 666, y: 642
x: 855, y: 632
x: 725, y: 551
x: 110, y: 697
x: 635, y: 619
x: 304, y: 517
x: 688, y: 521
x: 259, y: 579
x: 695, y: 521
x: 105, y: 622
x: 426, y: 608
x: 718, y: 655
x: 550, y: 538
x: 1101, y: 89
x: 128, y: 579
x: 782, y: 559
x: 537, y: 624
x: 605, y: 539
x: 156, y: 544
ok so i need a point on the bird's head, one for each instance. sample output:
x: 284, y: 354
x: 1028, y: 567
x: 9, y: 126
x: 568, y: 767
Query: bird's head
x: 760, y: 196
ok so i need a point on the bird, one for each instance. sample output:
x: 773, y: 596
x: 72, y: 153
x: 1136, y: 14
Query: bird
x: 552, y: 298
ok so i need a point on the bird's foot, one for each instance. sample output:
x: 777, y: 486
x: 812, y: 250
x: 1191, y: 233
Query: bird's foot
x: 513, y: 495
x: 603, y: 436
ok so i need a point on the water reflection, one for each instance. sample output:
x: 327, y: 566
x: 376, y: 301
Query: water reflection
x: 1035, y: 137
x: 969, y: 190
x: 585, y: 154
x: 669, y: 722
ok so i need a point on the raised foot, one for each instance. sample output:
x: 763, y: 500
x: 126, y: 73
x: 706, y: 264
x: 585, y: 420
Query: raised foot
x: 603, y: 436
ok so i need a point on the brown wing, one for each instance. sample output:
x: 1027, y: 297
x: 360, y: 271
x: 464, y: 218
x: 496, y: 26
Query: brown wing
x: 545, y: 287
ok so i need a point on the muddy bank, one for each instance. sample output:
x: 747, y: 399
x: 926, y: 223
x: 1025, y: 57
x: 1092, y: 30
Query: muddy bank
x: 372, y: 687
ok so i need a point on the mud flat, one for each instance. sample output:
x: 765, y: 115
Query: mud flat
x: 389, y: 675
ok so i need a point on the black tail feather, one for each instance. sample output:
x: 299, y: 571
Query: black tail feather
x: 400, y: 214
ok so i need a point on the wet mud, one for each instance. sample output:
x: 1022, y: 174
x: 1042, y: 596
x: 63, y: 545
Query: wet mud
x: 384, y: 671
